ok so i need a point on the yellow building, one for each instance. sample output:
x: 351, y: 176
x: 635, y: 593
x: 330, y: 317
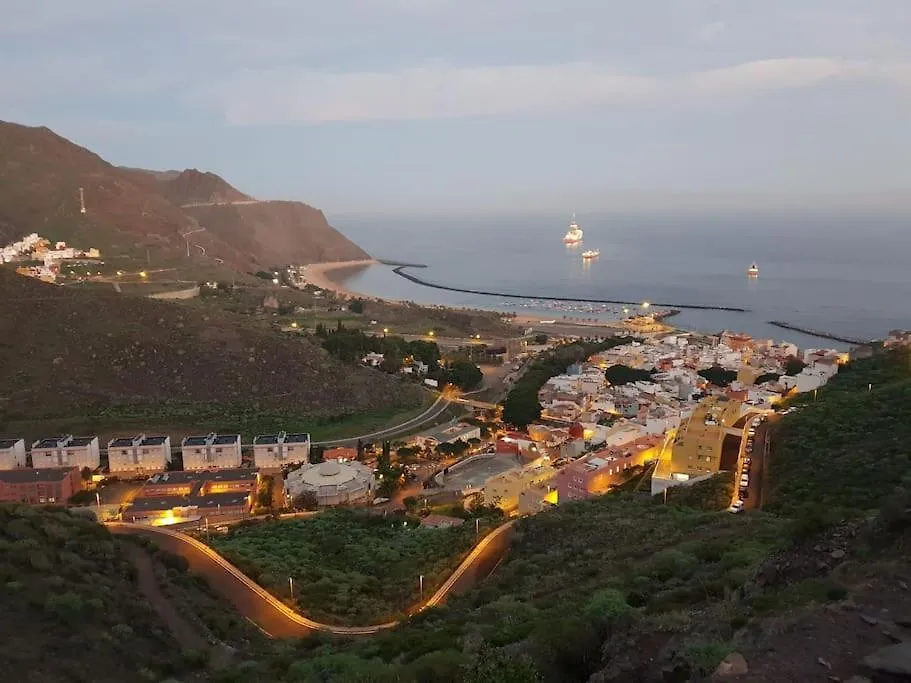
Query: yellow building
x: 696, y: 449
x: 504, y: 490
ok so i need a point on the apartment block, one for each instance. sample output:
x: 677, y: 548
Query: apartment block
x: 275, y: 450
x: 67, y: 451
x: 12, y: 454
x: 214, y: 451
x: 139, y: 453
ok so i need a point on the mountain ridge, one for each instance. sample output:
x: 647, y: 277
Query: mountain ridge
x: 130, y: 211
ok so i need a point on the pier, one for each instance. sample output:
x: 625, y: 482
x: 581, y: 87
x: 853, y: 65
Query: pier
x: 820, y: 334
x: 400, y: 270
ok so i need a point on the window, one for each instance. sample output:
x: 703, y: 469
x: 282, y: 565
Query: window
x: 217, y: 451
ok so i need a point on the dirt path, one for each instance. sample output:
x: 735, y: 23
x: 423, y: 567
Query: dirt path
x: 185, y: 634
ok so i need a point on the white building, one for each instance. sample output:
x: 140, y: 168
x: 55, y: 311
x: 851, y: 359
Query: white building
x: 276, y: 450
x: 139, y: 453
x: 214, y: 451
x: 333, y: 482
x: 808, y: 379
x: 67, y: 451
x: 12, y: 454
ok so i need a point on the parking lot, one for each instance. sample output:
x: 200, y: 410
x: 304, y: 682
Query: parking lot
x: 751, y: 470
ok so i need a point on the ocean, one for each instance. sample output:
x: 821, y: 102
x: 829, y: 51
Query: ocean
x: 844, y: 274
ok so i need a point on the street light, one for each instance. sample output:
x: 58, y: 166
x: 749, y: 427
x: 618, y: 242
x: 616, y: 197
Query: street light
x: 430, y: 334
x: 421, y: 578
x: 291, y: 586
x: 645, y: 304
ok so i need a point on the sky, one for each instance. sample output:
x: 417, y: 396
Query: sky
x: 472, y: 105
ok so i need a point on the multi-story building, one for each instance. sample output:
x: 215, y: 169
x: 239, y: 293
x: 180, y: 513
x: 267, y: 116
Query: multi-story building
x: 139, y: 453
x: 211, y: 452
x: 275, y: 450
x: 504, y: 489
x: 594, y: 474
x: 52, y: 486
x: 12, y: 454
x: 67, y: 451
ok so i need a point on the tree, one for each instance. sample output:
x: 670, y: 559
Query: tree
x: 495, y: 666
x: 316, y: 454
x: 391, y: 363
x: 306, y: 501
x: 718, y: 376
x: 465, y: 375
x: 521, y: 408
x: 793, y: 366
x: 540, y: 339
x: 356, y: 306
x: 86, y: 473
x: 767, y: 377
x: 619, y: 375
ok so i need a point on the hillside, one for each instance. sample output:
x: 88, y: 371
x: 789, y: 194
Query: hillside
x: 271, y: 232
x: 138, y: 214
x: 82, y: 606
x: 100, y: 358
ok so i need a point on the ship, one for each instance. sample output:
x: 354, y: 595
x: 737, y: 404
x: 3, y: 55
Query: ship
x: 574, y: 234
x: 753, y: 270
x: 591, y: 253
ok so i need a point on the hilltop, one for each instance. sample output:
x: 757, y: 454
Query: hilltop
x: 99, y: 358
x: 132, y: 213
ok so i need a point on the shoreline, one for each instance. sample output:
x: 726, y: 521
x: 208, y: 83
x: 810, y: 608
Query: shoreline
x: 321, y: 275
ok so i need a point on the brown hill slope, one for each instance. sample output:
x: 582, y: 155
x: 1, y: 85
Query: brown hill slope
x: 276, y: 233
x: 96, y: 355
x: 130, y: 211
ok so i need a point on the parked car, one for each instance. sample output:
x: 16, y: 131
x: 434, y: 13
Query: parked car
x: 744, y: 493
x: 736, y: 507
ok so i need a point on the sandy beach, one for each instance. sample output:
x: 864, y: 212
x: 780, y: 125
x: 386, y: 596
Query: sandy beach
x: 317, y: 274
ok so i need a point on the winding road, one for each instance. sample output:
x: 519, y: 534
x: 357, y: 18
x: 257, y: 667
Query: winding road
x: 434, y: 411
x: 274, y: 617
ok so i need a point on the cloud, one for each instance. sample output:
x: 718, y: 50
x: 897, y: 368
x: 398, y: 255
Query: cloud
x: 707, y: 33
x: 445, y: 92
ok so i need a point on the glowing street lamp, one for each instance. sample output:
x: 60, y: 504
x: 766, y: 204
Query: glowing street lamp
x: 645, y: 304
x: 430, y: 334
x: 143, y: 274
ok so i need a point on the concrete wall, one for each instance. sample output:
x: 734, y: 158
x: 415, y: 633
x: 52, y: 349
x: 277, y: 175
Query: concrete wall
x: 189, y: 293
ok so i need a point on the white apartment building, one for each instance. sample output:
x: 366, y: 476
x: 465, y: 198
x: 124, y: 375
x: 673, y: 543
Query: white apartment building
x: 67, y: 451
x: 214, y: 451
x: 139, y: 453
x: 12, y: 454
x: 276, y: 450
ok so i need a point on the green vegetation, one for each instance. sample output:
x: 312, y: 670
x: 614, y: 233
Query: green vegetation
x: 767, y: 377
x: 521, y: 407
x: 794, y: 366
x: 718, y: 375
x: 348, y: 567
x: 710, y: 494
x: 848, y: 449
x: 72, y: 610
x: 622, y: 374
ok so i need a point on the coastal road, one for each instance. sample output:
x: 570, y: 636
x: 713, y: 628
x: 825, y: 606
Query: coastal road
x: 278, y: 620
x: 433, y: 412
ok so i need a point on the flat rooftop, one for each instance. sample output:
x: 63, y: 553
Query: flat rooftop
x: 154, y: 440
x: 266, y: 440
x: 123, y: 442
x: 213, y: 500
x: 82, y: 441
x: 24, y: 475
x: 50, y: 442
x: 156, y: 503
x: 297, y: 438
x: 8, y: 443
x: 224, y: 439
x: 196, y: 441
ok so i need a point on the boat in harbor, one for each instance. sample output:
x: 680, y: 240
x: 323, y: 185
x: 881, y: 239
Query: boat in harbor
x: 574, y: 234
x: 753, y: 270
x: 591, y: 253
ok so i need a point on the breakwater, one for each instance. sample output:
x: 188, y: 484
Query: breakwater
x: 400, y: 270
x: 820, y: 334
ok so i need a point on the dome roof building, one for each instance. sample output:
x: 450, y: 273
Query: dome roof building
x: 333, y: 482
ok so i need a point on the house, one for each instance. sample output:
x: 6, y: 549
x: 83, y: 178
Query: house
x: 596, y: 473
x: 139, y: 453
x: 434, y: 521
x: 212, y: 451
x: 537, y: 499
x: 12, y: 454
x: 450, y: 433
x: 67, y: 451
x: 54, y: 486
x: 340, y: 454
x: 275, y: 450
x: 163, y: 510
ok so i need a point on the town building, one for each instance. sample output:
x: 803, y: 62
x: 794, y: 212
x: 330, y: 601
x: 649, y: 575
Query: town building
x: 211, y: 451
x: 276, y: 450
x: 67, y: 451
x: 12, y: 454
x: 596, y: 473
x: 195, y: 483
x: 46, y: 486
x: 333, y: 482
x: 165, y: 510
x: 139, y: 454
x: 449, y: 433
x: 504, y: 490
x: 340, y: 454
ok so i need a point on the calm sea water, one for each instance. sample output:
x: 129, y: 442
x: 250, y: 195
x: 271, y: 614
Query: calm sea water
x: 843, y: 274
